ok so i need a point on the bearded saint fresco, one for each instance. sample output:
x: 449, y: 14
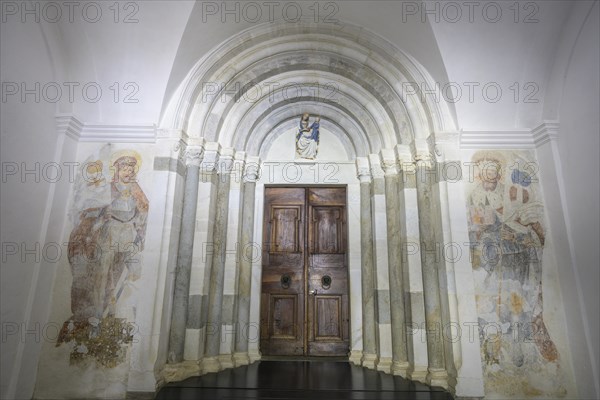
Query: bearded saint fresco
x: 507, y: 241
x: 104, y: 254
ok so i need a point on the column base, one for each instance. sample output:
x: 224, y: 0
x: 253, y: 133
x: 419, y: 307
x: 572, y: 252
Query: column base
x: 369, y: 360
x: 417, y: 373
x: 438, y: 377
x: 180, y: 371
x: 226, y: 361
x: 211, y: 364
x: 400, y: 368
x: 355, y: 357
x: 254, y: 355
x: 384, y: 364
x: 241, y: 358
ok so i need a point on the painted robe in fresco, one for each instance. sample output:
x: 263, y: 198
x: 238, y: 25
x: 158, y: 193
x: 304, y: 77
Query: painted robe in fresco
x: 507, y: 240
x: 104, y: 254
x: 104, y: 247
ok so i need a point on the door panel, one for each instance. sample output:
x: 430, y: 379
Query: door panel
x: 304, y: 299
x: 283, y: 258
x: 328, y: 312
x: 328, y: 230
x: 327, y: 306
x: 285, y: 232
x: 282, y: 320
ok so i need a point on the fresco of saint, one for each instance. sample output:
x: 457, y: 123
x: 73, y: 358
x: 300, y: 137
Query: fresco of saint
x: 104, y: 246
x: 507, y: 240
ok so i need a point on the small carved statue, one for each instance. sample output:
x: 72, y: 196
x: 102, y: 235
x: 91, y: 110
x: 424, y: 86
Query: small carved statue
x: 307, y: 139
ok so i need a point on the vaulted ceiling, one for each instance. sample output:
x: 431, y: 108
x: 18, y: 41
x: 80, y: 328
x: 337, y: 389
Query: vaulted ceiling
x: 170, y: 38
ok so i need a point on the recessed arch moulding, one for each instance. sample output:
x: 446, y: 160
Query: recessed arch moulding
x: 262, y: 80
x: 235, y: 104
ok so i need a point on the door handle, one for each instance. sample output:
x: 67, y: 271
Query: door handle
x: 314, y: 291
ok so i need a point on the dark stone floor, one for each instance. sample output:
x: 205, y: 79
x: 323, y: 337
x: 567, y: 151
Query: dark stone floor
x: 300, y: 380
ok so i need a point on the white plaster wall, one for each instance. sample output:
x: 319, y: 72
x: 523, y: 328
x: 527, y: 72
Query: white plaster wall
x: 139, y: 52
x: 32, y: 206
x: 483, y: 48
x: 578, y: 145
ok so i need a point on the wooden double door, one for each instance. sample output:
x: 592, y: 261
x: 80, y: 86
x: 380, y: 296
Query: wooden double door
x: 304, y: 295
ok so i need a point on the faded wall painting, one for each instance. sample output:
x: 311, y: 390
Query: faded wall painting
x: 104, y: 253
x: 507, y: 236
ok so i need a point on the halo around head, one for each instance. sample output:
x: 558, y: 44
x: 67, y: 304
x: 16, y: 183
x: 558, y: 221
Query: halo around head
x: 487, y: 155
x: 116, y: 156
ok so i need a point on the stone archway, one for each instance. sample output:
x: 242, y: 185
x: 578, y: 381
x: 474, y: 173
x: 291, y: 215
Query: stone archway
x: 227, y: 115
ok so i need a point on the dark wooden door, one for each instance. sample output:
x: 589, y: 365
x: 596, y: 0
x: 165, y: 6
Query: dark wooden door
x: 304, y: 299
x: 283, y: 257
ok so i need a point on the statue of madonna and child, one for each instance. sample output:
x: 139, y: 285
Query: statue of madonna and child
x: 307, y: 138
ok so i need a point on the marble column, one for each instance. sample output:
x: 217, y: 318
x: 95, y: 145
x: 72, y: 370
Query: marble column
x: 247, y: 252
x: 203, y: 249
x: 217, y: 274
x: 232, y: 259
x: 369, y: 357
x: 430, y: 265
x: 397, y: 309
x: 193, y: 157
x: 201, y: 263
x: 447, y: 190
x: 411, y: 265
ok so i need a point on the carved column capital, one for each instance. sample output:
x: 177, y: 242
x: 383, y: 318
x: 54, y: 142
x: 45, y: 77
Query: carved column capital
x: 364, y: 175
x: 388, y: 162
x: 193, y: 152
x: 421, y: 153
x: 363, y: 170
x: 252, y: 169
x: 212, y: 151
x: 226, y: 160
x: 405, y: 159
x: 193, y: 156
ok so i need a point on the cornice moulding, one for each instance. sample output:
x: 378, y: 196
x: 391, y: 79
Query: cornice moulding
x: 96, y: 132
x: 510, y: 139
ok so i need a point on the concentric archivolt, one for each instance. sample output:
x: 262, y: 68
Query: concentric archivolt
x: 257, y: 84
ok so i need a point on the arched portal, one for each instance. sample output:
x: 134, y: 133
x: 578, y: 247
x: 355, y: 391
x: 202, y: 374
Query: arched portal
x: 235, y: 118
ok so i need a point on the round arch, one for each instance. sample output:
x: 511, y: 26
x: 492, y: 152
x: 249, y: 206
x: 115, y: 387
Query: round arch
x: 358, y: 81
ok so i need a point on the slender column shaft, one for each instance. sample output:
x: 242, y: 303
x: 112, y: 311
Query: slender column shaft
x: 245, y: 272
x: 368, y: 272
x: 215, y: 294
x: 184, y: 256
x: 392, y: 203
x: 411, y: 265
x: 428, y: 225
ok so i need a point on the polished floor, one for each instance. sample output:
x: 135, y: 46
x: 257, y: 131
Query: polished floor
x: 299, y: 380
